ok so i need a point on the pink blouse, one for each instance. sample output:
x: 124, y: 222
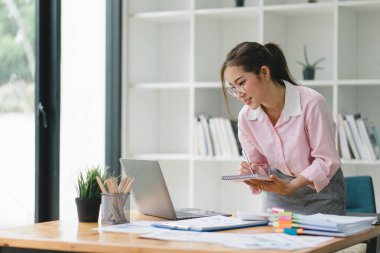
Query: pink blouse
x: 301, y: 143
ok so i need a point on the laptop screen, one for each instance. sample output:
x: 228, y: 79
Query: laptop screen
x: 149, y: 189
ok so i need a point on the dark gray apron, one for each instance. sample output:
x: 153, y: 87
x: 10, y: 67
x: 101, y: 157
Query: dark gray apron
x: 331, y: 200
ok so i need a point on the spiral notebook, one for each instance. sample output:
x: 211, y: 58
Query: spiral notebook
x: 241, y: 178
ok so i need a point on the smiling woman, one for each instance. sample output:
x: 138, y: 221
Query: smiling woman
x: 275, y: 109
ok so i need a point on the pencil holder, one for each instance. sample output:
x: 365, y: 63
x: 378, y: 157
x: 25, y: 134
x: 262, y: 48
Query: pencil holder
x: 115, y: 208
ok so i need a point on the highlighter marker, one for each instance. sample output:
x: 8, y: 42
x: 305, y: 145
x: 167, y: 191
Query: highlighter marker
x: 289, y: 231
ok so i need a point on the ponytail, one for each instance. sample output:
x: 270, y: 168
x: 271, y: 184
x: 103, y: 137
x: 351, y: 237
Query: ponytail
x: 280, y: 66
x: 252, y: 56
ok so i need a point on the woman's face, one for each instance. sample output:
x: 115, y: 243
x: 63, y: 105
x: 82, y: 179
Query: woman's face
x: 251, y: 90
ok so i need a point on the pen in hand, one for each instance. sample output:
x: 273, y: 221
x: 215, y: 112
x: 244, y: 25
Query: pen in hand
x: 247, y: 160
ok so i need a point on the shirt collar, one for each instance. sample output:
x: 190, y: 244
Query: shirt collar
x: 256, y: 114
x: 292, y: 105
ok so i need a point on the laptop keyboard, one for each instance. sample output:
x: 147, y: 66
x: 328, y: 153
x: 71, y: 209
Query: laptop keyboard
x: 186, y: 215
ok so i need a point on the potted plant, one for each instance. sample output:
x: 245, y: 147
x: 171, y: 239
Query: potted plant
x: 309, y: 69
x: 88, y: 194
x: 239, y: 3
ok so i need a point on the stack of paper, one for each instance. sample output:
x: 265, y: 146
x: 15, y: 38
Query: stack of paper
x: 327, y: 224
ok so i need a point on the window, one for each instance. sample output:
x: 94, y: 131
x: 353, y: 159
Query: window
x: 17, y: 127
x: 82, y: 94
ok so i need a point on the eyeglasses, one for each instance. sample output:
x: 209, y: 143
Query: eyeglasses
x: 235, y: 90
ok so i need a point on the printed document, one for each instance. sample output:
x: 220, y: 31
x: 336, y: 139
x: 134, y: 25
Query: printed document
x: 138, y: 227
x: 277, y: 241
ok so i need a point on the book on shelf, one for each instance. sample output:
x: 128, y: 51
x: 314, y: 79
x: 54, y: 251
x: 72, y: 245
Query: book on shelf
x: 223, y: 137
x: 357, y: 138
x: 231, y: 138
x: 235, y: 128
x: 360, y: 145
x: 196, y: 139
x: 365, y: 138
x: 200, y: 138
x: 219, y: 132
x: 215, y: 139
x: 207, y: 135
x: 373, y: 136
x: 351, y: 141
x: 215, y: 136
x: 342, y: 137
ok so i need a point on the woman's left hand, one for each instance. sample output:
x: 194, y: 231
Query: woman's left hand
x: 278, y: 185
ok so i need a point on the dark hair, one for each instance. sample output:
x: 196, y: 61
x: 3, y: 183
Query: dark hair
x: 252, y: 56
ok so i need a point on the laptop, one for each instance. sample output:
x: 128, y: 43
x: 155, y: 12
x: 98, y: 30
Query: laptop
x: 151, y: 194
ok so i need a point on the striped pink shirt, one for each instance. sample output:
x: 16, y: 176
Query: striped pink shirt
x: 301, y: 143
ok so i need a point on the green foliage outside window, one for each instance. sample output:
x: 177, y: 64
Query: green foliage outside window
x: 13, y: 59
x: 17, y: 55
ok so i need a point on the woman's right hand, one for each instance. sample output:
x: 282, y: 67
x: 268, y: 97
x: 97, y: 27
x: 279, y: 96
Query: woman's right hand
x: 246, y: 168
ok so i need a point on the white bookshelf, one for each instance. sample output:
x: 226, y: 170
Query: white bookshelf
x: 173, y: 53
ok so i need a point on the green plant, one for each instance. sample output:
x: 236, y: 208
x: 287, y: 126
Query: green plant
x: 87, y: 185
x: 307, y: 66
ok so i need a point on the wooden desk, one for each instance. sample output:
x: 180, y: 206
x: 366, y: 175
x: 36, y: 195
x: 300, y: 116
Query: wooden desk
x: 71, y: 236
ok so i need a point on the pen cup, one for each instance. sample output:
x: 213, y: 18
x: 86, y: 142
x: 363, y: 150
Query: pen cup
x: 115, y: 208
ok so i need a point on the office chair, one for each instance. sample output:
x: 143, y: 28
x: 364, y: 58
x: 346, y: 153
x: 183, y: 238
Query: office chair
x: 360, y: 196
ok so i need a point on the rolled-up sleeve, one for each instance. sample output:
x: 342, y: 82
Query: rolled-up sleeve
x: 321, y: 132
